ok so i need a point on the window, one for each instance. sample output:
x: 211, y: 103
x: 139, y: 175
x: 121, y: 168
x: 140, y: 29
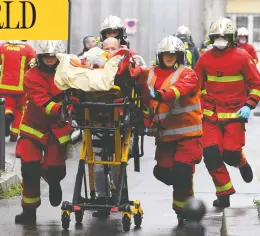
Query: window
x: 242, y: 21
x: 256, y: 31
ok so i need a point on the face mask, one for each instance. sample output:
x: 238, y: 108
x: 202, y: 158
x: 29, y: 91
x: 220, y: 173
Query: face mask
x: 242, y: 41
x: 220, y: 43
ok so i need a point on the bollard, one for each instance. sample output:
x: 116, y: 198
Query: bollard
x: 2, y: 134
x: 194, y: 211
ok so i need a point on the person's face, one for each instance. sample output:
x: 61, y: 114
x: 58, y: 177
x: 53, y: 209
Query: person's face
x: 112, y: 33
x: 242, y: 38
x: 111, y: 48
x: 90, y: 42
x: 169, y: 59
x: 50, y: 60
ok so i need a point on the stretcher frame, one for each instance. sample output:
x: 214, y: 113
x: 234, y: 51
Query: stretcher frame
x: 121, y: 131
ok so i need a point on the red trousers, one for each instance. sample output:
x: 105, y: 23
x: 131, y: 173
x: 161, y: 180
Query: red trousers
x: 222, y: 143
x: 176, y: 165
x: 37, y: 161
x: 14, y: 104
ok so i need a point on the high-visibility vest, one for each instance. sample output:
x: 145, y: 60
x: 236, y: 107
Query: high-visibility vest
x: 177, y: 119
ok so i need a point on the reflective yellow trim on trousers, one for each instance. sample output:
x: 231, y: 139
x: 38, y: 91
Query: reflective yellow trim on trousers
x: 225, y: 78
x: 176, y: 91
x: 64, y: 139
x: 31, y: 131
x: 178, y: 203
x: 21, y: 77
x: 14, y: 130
x: 31, y: 200
x: 226, y: 187
x: 208, y: 112
x: 228, y: 115
x: 255, y: 92
x: 49, y: 107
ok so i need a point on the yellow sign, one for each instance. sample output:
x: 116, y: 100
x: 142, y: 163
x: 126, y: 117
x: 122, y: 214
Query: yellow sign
x: 34, y: 20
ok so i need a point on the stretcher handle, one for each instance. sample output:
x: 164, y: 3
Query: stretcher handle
x: 97, y: 104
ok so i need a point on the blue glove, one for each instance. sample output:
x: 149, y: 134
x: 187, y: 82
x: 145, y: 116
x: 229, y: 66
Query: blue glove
x: 244, y: 112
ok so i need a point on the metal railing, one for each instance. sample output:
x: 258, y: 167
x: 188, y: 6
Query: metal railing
x: 2, y: 134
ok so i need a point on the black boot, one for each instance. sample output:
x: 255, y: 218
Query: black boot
x: 55, y: 193
x: 222, y: 201
x: 102, y: 214
x: 8, y: 122
x: 13, y: 138
x: 28, y: 216
x: 246, y: 173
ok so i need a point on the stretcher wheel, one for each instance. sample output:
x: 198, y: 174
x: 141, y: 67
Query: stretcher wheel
x: 126, y: 221
x: 65, y: 220
x: 138, y: 220
x: 79, y: 217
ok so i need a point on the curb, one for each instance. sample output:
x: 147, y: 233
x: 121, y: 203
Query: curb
x: 242, y: 221
x: 7, y: 180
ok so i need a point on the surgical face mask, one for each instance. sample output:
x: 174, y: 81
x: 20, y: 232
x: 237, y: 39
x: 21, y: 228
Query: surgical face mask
x: 242, y: 41
x: 220, y: 43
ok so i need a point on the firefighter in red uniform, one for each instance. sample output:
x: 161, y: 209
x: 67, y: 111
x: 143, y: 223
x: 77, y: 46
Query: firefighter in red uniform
x: 242, y: 40
x: 15, y: 56
x: 227, y: 72
x: 175, y: 119
x: 43, y: 141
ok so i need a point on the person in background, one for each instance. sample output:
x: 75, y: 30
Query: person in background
x: 88, y: 43
x: 192, y: 53
x: 242, y: 41
x: 15, y: 57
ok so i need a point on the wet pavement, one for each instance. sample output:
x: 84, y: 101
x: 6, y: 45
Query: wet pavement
x: 156, y: 199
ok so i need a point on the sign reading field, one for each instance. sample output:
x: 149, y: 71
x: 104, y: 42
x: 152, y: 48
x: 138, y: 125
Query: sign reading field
x: 34, y: 20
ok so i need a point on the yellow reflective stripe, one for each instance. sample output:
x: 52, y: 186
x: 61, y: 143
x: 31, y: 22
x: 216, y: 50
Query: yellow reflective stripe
x: 208, y: 112
x: 228, y: 115
x: 255, y: 61
x: 31, y: 131
x: 21, y: 78
x: 176, y: 91
x: 65, y: 139
x: 225, y: 78
x: 146, y: 111
x: 189, y: 56
x: 226, y: 187
x: 2, y: 69
x: 203, y: 92
x: 255, y: 92
x: 178, y: 203
x: 31, y: 200
x: 49, y: 107
x: 7, y: 111
x: 14, y: 130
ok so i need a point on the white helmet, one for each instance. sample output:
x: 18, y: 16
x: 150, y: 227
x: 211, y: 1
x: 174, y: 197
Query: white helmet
x: 183, y: 30
x: 222, y: 27
x: 51, y: 47
x: 242, y: 32
x: 170, y: 44
x: 16, y: 41
x: 112, y: 23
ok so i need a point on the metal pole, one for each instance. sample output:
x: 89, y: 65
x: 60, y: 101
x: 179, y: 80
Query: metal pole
x: 2, y: 134
x: 69, y: 29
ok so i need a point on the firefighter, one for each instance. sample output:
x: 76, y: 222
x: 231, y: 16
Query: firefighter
x: 44, y: 138
x: 113, y: 26
x: 227, y: 72
x: 15, y: 56
x: 242, y: 41
x: 175, y: 119
x: 88, y: 43
x: 192, y: 53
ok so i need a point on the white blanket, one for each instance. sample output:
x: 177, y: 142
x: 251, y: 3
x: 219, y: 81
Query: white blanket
x: 89, y: 80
